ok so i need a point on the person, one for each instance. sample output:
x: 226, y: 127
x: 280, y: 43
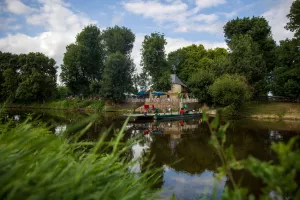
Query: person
x: 181, y: 111
x: 145, y: 111
x: 153, y: 108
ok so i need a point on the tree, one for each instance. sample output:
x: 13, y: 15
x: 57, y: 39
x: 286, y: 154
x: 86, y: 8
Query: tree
x: 186, y: 60
x: 118, y: 39
x: 83, y: 62
x: 260, y: 32
x: 247, y: 60
x: 164, y: 82
x: 9, y: 65
x: 286, y: 76
x: 230, y: 90
x: 294, y: 17
x: 117, y: 77
x: 37, y: 77
x: 10, y: 83
x: 199, y: 84
x: 144, y: 81
x: 154, y: 57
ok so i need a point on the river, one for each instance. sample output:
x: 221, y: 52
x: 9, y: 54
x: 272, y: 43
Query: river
x: 181, y: 148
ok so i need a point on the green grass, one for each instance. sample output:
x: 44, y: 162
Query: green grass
x: 66, y: 104
x: 36, y: 164
x: 280, y: 110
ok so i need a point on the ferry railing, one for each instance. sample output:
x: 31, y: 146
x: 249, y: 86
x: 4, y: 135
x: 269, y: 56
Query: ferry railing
x: 162, y: 100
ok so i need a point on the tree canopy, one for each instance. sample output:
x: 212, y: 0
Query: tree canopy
x: 89, y: 64
x: 27, y: 77
x: 83, y: 61
x: 154, y: 57
x: 118, y: 39
x: 294, y: 17
x: 259, y: 30
x: 117, y: 76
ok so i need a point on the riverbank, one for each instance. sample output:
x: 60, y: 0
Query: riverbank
x: 77, y: 105
x: 272, y: 110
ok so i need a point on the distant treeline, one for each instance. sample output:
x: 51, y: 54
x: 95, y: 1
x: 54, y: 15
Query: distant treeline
x: 99, y: 64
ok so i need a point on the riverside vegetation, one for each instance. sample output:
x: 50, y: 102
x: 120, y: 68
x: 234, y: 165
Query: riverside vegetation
x: 35, y: 163
x: 99, y: 63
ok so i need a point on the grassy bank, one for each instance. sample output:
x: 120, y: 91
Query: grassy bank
x: 77, y: 104
x: 66, y: 104
x: 36, y: 164
x: 272, y: 110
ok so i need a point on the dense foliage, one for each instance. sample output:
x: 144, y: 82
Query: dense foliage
x: 97, y: 61
x: 280, y: 178
x: 83, y: 62
x: 258, y: 29
x: 230, y: 90
x: 154, y: 60
x: 117, y: 76
x: 294, y: 17
x: 246, y: 60
x: 286, y: 75
x: 27, y: 77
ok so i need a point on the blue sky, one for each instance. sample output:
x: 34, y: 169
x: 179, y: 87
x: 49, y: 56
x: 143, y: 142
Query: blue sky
x: 49, y: 25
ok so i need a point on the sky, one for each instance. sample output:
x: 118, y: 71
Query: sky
x: 48, y: 26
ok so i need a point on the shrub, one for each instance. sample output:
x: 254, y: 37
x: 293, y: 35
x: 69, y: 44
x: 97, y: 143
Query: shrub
x: 230, y: 90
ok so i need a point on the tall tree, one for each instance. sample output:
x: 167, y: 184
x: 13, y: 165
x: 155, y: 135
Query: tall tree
x: 260, y: 32
x: 286, y: 75
x: 117, y: 76
x: 118, y: 39
x: 154, y: 57
x: 37, y: 76
x: 83, y: 61
x: 294, y: 17
x: 187, y: 60
x: 9, y: 65
x: 247, y: 60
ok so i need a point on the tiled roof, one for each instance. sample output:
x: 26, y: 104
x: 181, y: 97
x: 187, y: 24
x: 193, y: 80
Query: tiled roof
x: 176, y: 80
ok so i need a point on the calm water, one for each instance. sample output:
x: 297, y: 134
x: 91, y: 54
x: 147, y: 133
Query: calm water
x: 185, y: 141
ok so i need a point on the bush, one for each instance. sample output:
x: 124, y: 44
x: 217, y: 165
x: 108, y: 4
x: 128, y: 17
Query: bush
x: 230, y: 90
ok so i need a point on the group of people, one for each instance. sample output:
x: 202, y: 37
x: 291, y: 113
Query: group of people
x: 168, y: 109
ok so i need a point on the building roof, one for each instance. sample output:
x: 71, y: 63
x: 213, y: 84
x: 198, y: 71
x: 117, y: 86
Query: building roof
x: 176, y: 80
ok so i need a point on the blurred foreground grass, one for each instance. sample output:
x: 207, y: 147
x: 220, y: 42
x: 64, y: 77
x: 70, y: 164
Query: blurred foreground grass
x: 36, y: 164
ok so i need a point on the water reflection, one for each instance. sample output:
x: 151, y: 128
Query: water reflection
x: 187, y: 141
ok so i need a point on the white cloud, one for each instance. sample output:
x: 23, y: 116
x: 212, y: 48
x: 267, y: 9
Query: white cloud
x: 17, y: 7
x: 209, y: 3
x: 277, y: 19
x: 6, y: 24
x: 177, y: 15
x: 57, y: 35
x: 206, y: 18
x: 173, y: 44
x: 156, y: 10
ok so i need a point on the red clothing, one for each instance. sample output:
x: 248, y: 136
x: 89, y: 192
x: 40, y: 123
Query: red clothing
x: 181, y: 123
x: 181, y: 112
